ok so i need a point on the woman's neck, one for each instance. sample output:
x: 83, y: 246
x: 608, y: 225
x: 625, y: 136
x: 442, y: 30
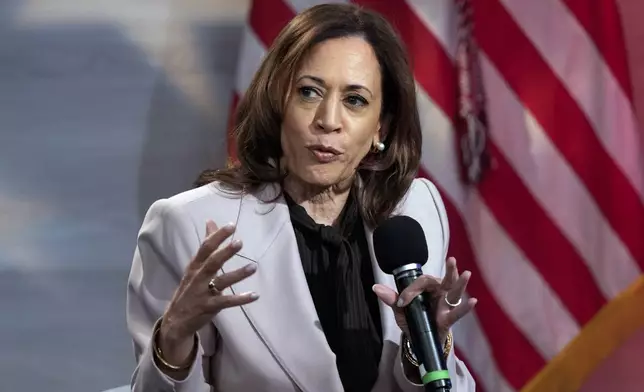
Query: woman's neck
x: 323, y: 204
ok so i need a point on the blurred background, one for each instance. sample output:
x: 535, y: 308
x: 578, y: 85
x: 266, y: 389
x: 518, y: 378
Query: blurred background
x: 106, y: 106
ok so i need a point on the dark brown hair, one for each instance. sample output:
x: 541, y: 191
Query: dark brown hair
x: 384, y: 176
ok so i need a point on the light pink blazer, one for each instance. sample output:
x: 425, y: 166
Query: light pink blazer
x: 274, y: 344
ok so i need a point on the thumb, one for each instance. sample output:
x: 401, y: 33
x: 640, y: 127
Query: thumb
x: 386, y: 295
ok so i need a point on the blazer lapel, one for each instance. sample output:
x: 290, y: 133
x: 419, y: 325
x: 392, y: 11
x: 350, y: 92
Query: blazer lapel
x: 284, y: 316
x: 390, y: 330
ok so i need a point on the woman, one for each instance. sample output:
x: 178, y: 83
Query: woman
x: 289, y: 297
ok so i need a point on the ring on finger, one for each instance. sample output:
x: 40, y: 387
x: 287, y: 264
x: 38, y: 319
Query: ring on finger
x: 451, y: 304
x: 212, y: 287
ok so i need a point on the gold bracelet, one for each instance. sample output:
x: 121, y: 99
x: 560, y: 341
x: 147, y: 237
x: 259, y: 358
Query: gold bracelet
x: 449, y: 342
x: 158, y: 354
x: 409, y: 352
x: 411, y: 357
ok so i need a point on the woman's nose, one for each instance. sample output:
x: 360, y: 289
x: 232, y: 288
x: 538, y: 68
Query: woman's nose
x: 328, y: 117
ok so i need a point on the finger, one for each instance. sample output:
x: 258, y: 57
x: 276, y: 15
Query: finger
x: 461, y: 310
x: 211, y: 227
x: 202, y: 252
x: 213, y: 263
x: 458, y: 289
x: 423, y: 283
x: 213, y: 240
x: 451, y: 274
x: 228, y: 279
x: 385, y: 294
x: 220, y: 302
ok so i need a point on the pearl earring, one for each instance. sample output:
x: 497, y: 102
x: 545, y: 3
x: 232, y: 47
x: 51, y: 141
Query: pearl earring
x: 380, y: 146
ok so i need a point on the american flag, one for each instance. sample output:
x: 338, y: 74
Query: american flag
x: 554, y: 230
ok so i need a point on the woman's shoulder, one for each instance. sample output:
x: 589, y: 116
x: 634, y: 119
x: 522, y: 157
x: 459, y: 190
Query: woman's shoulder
x: 424, y: 203
x: 423, y: 190
x: 213, y: 193
x: 209, y: 201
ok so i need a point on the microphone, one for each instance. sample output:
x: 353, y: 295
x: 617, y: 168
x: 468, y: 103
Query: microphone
x: 401, y: 250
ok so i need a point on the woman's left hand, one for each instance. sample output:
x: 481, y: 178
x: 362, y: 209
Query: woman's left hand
x: 450, y: 289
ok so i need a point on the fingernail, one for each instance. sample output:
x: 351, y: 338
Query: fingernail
x: 400, y: 302
x: 250, y: 267
x: 236, y: 244
x: 252, y: 295
x: 210, y: 226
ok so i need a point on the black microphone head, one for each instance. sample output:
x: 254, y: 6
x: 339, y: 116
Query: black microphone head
x: 398, y: 241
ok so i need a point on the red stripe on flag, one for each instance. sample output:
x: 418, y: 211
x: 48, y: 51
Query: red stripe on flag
x: 436, y: 74
x: 541, y: 241
x: 514, y: 355
x: 546, y: 97
x: 423, y: 45
x: 268, y: 17
x: 602, y: 22
x: 479, y: 385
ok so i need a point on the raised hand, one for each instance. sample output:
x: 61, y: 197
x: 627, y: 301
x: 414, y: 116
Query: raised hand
x: 446, y: 294
x: 199, y: 296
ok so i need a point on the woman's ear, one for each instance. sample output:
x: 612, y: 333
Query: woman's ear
x: 383, y: 130
x: 377, y: 143
x: 376, y: 138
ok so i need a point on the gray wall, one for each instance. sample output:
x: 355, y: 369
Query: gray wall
x: 104, y: 107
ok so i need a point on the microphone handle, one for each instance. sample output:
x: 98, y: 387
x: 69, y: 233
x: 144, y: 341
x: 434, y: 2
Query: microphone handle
x: 424, y: 337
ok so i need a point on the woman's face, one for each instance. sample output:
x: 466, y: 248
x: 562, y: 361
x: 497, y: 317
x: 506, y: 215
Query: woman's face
x: 332, y: 116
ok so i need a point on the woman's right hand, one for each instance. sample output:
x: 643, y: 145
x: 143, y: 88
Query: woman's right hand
x: 194, y: 304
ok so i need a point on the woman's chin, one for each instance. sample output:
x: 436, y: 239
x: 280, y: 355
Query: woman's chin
x: 320, y: 177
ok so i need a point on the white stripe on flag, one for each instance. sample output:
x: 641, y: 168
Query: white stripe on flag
x: 474, y: 347
x: 516, y: 285
x: 553, y: 183
x: 498, y: 256
x: 439, y: 155
x: 572, y: 55
x: 439, y: 16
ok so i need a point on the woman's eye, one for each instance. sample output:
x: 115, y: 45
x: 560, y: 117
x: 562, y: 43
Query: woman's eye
x: 356, y: 100
x: 308, y: 92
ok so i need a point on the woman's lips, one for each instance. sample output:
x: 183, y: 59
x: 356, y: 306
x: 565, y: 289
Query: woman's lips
x: 324, y: 154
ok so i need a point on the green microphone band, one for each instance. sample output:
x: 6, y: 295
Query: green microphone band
x: 435, y: 375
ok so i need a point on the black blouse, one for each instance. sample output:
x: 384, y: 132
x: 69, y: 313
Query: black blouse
x: 339, y: 274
